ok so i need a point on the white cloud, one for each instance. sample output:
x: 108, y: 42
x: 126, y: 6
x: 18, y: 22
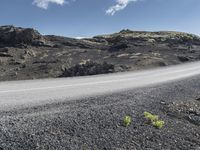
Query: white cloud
x: 121, y: 4
x: 45, y: 3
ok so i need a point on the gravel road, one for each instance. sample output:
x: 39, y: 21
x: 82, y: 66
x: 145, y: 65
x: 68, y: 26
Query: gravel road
x: 96, y: 122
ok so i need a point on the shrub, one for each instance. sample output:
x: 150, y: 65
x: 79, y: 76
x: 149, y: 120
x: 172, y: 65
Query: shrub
x: 127, y: 120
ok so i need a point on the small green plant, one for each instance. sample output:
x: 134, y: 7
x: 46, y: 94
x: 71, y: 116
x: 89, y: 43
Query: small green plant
x: 150, y: 117
x: 127, y: 120
x: 154, y: 120
x: 158, y: 124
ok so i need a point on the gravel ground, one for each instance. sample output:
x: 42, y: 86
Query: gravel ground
x: 97, y: 122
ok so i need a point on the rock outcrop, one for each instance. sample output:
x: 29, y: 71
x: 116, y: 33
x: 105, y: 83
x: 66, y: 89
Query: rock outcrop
x: 10, y: 35
x: 88, y: 68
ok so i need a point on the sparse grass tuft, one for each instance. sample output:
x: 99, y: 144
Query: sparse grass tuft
x: 127, y: 120
x: 150, y: 117
x: 158, y: 124
x: 154, y: 120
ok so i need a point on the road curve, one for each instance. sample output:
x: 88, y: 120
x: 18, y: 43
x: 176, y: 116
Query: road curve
x: 36, y: 92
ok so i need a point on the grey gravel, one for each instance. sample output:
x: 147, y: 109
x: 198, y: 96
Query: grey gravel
x: 96, y: 122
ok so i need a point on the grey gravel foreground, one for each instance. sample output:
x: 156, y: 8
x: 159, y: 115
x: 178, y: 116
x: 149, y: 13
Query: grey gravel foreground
x: 96, y: 122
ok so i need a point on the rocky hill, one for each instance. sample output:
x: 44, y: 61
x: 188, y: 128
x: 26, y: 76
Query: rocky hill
x: 26, y: 54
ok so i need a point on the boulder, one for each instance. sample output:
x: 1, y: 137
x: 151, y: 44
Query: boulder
x: 183, y: 58
x: 88, y: 68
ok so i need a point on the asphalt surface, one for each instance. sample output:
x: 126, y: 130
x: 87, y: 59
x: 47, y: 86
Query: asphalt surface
x: 37, y: 92
x: 87, y: 113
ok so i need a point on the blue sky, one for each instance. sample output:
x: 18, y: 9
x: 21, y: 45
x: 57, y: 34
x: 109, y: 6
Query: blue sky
x: 85, y: 18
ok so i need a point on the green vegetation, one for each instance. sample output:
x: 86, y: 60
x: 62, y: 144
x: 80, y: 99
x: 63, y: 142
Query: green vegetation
x: 158, y: 124
x: 150, y: 117
x: 154, y: 120
x: 127, y: 120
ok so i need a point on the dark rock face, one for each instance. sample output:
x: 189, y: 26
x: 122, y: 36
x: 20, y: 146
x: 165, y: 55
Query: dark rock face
x: 2, y: 54
x: 118, y: 47
x: 89, y: 68
x: 183, y: 58
x: 10, y: 35
x: 26, y: 54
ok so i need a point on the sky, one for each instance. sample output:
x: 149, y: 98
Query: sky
x: 87, y: 18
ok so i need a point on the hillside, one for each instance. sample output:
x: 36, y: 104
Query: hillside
x: 26, y: 54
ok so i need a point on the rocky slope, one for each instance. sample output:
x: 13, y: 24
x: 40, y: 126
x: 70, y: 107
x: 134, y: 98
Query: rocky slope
x: 26, y: 54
